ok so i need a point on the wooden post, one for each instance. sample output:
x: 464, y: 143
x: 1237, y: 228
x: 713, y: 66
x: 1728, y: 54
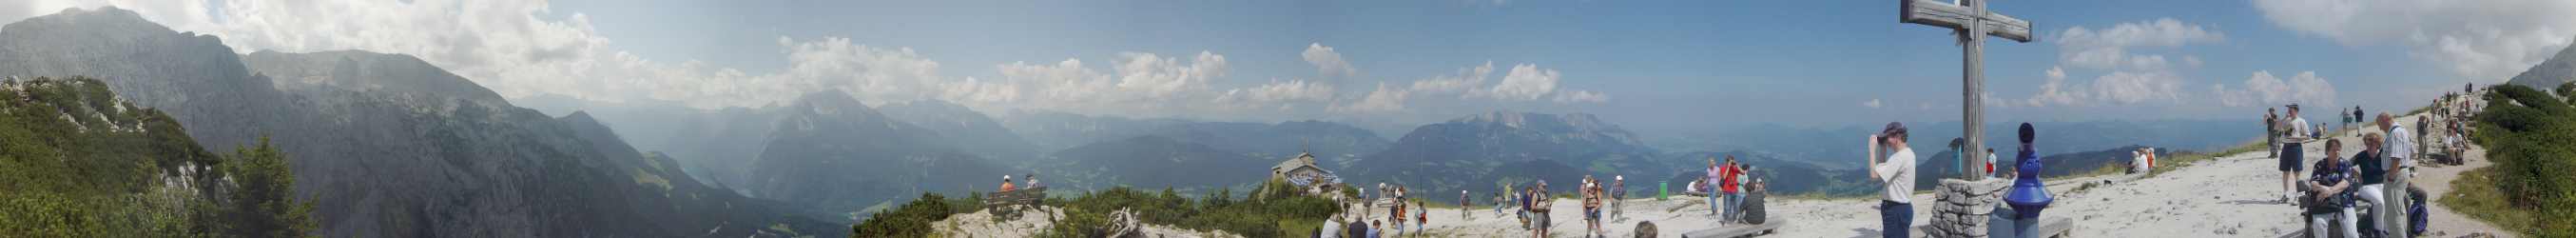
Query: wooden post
x: 1971, y: 22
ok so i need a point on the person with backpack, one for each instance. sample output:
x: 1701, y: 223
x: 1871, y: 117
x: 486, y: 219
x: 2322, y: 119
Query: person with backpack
x: 2330, y: 199
x: 1538, y: 209
x: 1728, y: 179
x: 1421, y: 216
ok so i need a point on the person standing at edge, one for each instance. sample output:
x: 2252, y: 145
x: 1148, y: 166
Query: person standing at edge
x: 2293, y: 152
x: 1896, y: 210
x: 1727, y: 178
x: 1712, y: 177
x: 1463, y: 205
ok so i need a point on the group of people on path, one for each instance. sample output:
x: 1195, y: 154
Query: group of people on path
x: 2338, y: 186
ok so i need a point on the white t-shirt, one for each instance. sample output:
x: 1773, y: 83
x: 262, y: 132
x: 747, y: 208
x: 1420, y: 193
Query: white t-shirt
x: 1898, y: 173
x: 2299, y: 128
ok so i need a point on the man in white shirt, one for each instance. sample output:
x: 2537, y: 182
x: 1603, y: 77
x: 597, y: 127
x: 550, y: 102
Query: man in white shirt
x: 2292, y: 151
x: 1896, y: 209
x: 2399, y: 151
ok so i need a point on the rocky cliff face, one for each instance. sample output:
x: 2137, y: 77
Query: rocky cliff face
x: 2559, y: 69
x: 390, y: 146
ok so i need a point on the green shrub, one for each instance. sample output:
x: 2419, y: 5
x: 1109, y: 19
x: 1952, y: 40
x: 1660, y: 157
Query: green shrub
x: 911, y: 220
x: 2528, y: 134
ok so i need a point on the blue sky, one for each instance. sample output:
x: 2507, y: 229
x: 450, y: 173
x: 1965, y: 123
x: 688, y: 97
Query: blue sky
x: 1655, y: 65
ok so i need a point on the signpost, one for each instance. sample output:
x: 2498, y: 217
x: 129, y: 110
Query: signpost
x: 1970, y: 21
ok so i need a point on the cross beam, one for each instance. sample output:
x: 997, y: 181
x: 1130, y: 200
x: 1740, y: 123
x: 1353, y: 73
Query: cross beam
x: 1971, y: 22
x: 1958, y: 17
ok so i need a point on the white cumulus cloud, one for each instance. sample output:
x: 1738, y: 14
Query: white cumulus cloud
x: 1327, y: 62
x: 2264, y: 89
x: 2477, y: 39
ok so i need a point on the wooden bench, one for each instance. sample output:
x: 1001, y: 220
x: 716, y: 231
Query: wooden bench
x: 1022, y: 197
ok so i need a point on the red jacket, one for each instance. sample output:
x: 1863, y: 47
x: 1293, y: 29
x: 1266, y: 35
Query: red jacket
x: 1726, y: 182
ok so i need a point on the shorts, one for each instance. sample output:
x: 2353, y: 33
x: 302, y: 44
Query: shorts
x: 2290, y: 156
x: 1594, y: 214
x: 1539, y: 220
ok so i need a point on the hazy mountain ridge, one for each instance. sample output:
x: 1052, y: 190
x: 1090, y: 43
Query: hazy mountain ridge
x: 1477, y: 152
x: 396, y: 161
x: 836, y: 156
x: 966, y: 129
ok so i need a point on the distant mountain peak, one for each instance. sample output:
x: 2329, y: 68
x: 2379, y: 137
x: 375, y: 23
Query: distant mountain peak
x: 2558, y: 69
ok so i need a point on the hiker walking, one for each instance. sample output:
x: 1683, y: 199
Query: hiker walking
x: 1896, y: 208
x: 1712, y: 178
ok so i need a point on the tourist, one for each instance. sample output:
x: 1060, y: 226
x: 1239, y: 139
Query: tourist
x: 1712, y: 177
x: 2292, y: 152
x: 1421, y: 216
x: 1618, y: 195
x: 1397, y: 214
x: 1990, y: 163
x: 1727, y: 176
x: 1374, y: 228
x: 1463, y: 203
x: 1540, y: 203
x: 1591, y: 204
x: 2331, y: 203
x: 1006, y: 184
x: 2019, y: 217
x: 1033, y: 180
x: 2271, y: 132
x: 2371, y: 161
x: 1896, y: 209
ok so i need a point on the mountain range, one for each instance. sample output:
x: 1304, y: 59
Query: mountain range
x: 388, y: 145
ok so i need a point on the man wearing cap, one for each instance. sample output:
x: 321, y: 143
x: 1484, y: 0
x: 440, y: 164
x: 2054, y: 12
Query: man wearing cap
x: 1618, y: 195
x: 2293, y: 152
x: 1896, y: 209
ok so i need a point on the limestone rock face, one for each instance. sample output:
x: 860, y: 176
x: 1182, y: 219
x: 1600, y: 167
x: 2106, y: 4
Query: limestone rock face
x: 1961, y: 206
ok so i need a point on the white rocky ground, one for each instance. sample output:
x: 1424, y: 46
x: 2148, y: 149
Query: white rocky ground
x: 1032, y: 222
x: 2232, y: 196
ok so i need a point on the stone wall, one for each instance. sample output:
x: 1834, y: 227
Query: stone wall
x: 1961, y: 207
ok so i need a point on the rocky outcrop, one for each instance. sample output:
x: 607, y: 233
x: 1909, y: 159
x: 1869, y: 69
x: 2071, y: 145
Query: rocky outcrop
x: 1961, y: 207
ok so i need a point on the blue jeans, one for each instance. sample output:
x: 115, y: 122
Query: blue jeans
x: 1734, y: 206
x: 1895, y: 219
x: 1713, y: 205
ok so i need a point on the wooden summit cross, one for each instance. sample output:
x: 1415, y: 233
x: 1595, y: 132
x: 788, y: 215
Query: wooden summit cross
x: 1970, y: 21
